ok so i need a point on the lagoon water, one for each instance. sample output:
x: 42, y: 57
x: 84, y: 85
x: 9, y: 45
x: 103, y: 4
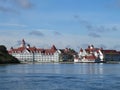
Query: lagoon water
x: 80, y: 76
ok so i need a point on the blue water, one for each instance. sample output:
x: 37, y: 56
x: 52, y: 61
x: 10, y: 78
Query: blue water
x: 82, y: 76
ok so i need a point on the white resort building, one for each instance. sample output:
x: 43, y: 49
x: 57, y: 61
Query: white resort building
x: 90, y: 54
x: 26, y: 53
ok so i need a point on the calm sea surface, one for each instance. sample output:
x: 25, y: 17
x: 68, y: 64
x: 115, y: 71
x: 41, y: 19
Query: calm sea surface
x: 81, y: 76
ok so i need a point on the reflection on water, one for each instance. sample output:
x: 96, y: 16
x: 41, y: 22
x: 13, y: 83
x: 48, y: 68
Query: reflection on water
x: 79, y: 76
x: 90, y: 68
x: 78, y: 68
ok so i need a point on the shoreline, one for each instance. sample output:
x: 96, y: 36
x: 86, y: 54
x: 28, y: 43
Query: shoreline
x: 108, y: 62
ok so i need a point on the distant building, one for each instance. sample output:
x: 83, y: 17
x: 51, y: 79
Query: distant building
x: 67, y: 55
x: 111, y: 55
x: 26, y: 53
x: 90, y: 54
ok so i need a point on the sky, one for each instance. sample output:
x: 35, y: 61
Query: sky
x: 64, y: 23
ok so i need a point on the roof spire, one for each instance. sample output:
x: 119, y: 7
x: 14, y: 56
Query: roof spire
x: 81, y: 50
x: 53, y: 48
x: 23, y: 43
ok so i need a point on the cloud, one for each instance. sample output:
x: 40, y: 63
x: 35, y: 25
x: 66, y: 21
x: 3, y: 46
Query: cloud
x: 117, y: 3
x: 36, y: 33
x: 13, y: 6
x: 68, y: 46
x: 19, y: 42
x: 117, y: 47
x: 94, y: 30
x: 94, y: 35
x: 57, y: 33
x: 102, y: 46
x: 11, y: 38
x: 84, y: 46
x: 114, y: 5
x: 7, y: 9
x: 103, y: 29
x: 12, y: 24
x: 26, y: 4
x: 114, y: 28
x: 85, y: 23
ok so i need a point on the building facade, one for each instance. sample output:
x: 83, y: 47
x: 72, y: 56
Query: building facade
x: 111, y: 55
x: 90, y: 54
x: 26, y: 53
x: 67, y: 55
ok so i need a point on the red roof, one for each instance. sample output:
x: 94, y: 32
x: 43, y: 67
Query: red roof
x: 81, y: 50
x: 34, y: 49
x: 92, y: 57
x: 53, y: 48
x: 110, y: 52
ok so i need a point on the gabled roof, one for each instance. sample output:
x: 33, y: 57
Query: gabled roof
x: 31, y: 49
x: 23, y: 47
x: 52, y: 50
x: 92, y: 57
x: 81, y: 50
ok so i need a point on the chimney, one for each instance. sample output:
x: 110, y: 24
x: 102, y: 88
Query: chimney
x: 28, y: 45
x: 91, y: 47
